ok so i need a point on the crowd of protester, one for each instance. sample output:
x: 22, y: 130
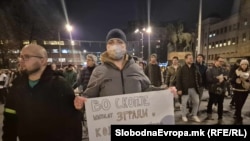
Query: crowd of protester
x: 33, y: 80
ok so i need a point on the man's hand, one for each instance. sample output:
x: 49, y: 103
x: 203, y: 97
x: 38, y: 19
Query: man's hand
x: 172, y: 90
x: 79, y: 102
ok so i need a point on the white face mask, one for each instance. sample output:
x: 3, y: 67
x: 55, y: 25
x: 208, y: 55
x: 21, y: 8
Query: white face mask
x: 116, y: 52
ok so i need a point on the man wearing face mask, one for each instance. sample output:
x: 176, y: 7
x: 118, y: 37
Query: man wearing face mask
x: 118, y: 73
x: 113, y: 77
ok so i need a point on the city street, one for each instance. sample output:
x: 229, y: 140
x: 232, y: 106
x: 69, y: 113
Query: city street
x: 227, y: 114
x: 227, y: 118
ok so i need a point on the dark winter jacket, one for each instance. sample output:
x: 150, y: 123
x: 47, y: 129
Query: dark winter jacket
x: 188, y: 78
x: 83, y: 78
x: 202, y: 69
x: 153, y: 71
x: 43, y: 113
x: 211, y: 75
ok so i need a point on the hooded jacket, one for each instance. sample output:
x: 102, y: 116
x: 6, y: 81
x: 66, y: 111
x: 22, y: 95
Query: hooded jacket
x: 108, y: 80
x: 43, y: 113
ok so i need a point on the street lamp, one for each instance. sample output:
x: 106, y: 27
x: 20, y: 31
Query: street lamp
x: 69, y: 28
x: 60, y: 49
x: 148, y: 30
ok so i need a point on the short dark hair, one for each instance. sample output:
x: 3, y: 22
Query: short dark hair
x: 70, y: 65
x: 203, y: 57
x: 175, y: 57
x: 217, y: 58
x: 186, y: 56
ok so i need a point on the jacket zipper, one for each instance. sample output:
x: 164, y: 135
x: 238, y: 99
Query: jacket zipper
x: 123, y: 89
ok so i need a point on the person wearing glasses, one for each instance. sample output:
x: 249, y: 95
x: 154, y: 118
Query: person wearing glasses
x: 216, y: 77
x: 40, y: 104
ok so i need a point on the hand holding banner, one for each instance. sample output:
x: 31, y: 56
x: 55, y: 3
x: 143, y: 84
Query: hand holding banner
x: 155, y: 107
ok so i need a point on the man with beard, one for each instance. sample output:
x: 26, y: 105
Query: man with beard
x: 40, y: 103
x: 188, y: 82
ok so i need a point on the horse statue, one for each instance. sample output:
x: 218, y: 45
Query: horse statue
x: 185, y: 37
x: 188, y: 39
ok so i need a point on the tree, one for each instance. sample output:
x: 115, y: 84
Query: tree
x: 26, y: 20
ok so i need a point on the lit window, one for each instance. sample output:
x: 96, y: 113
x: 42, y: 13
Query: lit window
x: 53, y: 42
x: 60, y: 43
x: 49, y: 60
x: 64, y: 51
x: 225, y: 43
x: 229, y: 42
x: 55, y: 51
x: 216, y: 45
x: 62, y: 59
x: 209, y: 46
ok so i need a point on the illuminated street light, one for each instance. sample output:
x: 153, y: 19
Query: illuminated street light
x: 69, y: 27
x: 148, y: 30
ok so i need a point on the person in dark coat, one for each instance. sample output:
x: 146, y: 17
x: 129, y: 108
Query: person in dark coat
x: 188, y: 82
x: 153, y: 71
x: 200, y: 64
x: 231, y: 73
x: 216, y: 81
x: 40, y: 105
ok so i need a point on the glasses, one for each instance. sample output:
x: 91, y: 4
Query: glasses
x: 27, y: 57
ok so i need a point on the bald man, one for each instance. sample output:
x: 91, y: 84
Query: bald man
x: 40, y: 104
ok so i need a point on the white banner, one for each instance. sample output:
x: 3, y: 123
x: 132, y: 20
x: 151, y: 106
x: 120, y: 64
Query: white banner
x: 155, y: 107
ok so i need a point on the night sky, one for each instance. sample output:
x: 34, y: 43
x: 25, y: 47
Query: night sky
x: 92, y: 19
